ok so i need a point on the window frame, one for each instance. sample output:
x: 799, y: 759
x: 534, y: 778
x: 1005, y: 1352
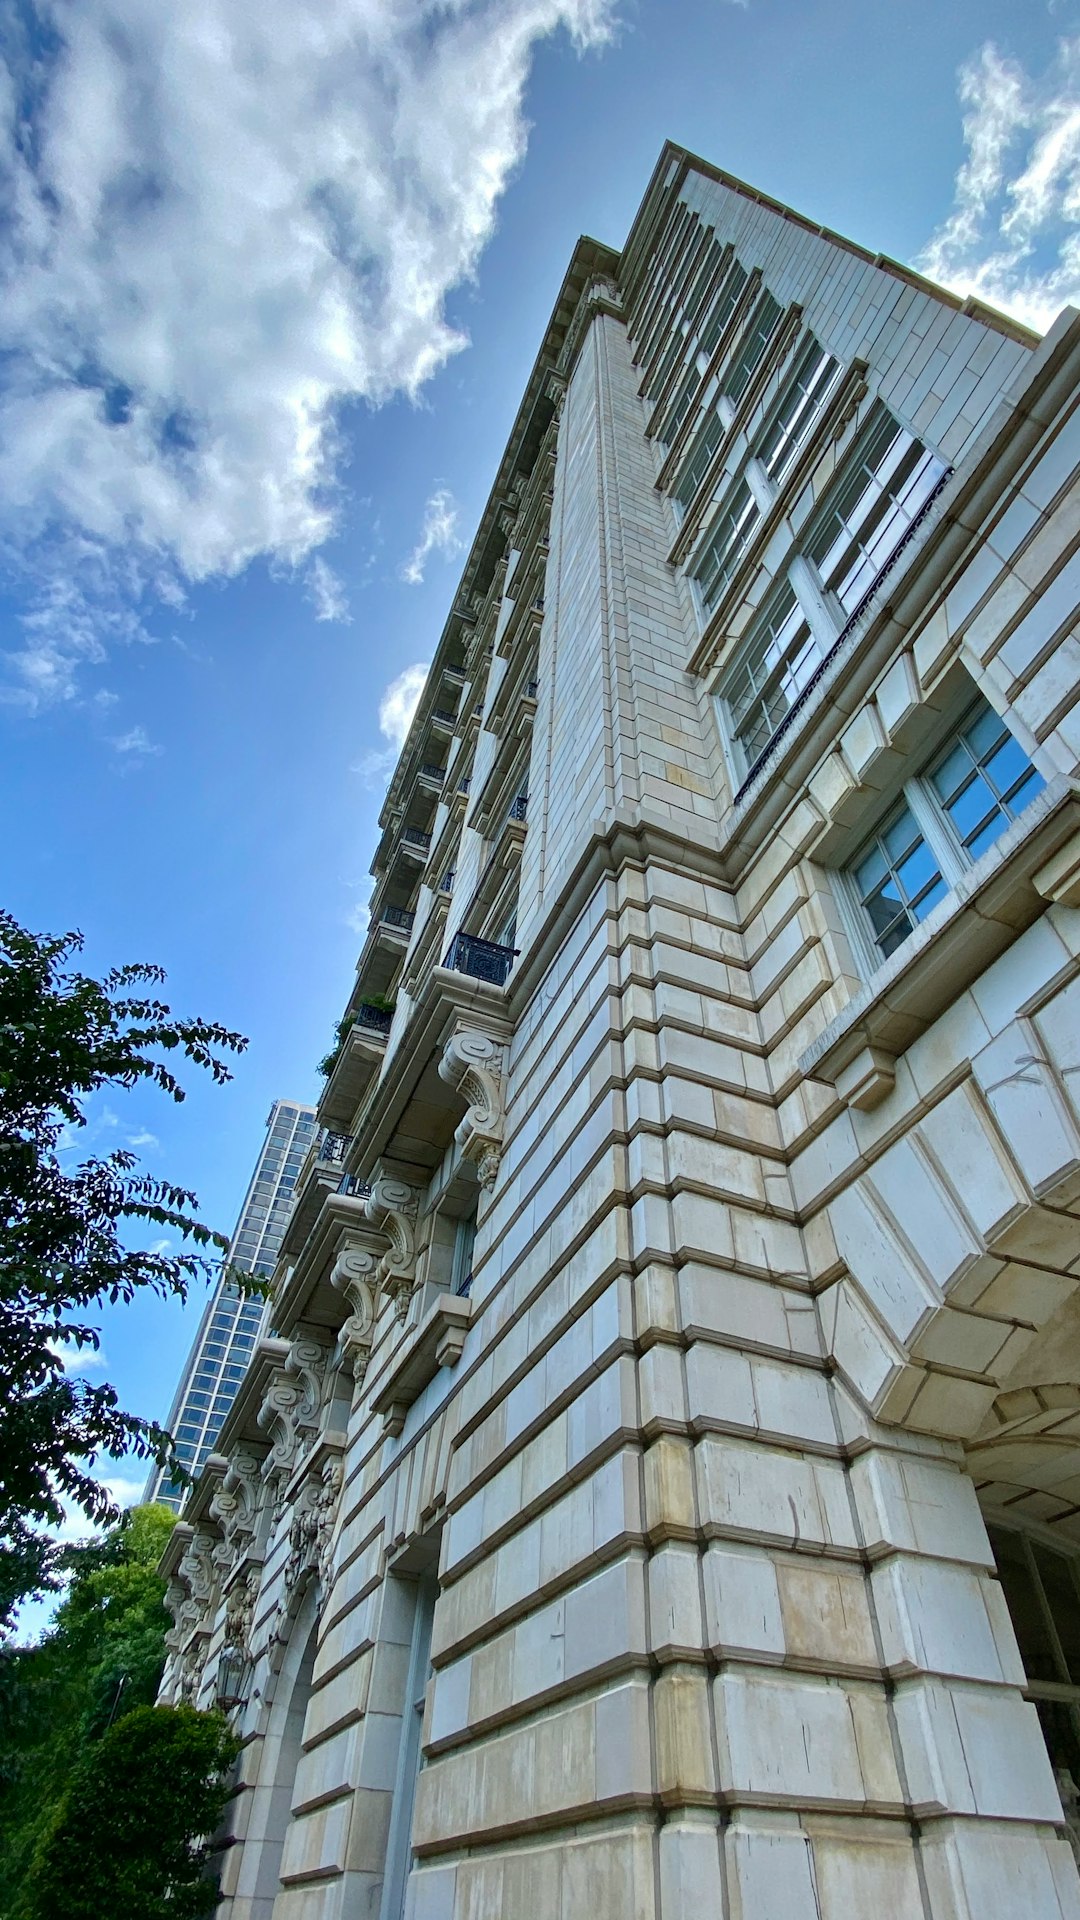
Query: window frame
x: 935, y: 826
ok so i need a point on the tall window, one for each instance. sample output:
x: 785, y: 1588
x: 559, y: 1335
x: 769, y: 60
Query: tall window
x: 797, y: 411
x: 697, y: 466
x: 461, y: 1270
x: 723, y: 306
x: 410, y: 1755
x: 727, y: 543
x: 1042, y: 1592
x: 772, y: 668
x: 763, y: 320
x: 949, y: 814
x: 872, y: 504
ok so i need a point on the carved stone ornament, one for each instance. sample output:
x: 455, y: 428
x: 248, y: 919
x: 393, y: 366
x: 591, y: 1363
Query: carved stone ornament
x: 392, y: 1207
x: 189, y: 1598
x: 355, y: 1273
x: 474, y: 1065
x: 240, y: 1609
x: 290, y: 1411
x: 235, y: 1507
x: 311, y: 1538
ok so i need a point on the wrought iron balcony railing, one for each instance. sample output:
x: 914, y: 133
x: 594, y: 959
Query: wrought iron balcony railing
x: 373, y: 1019
x: 446, y: 884
x: 415, y: 837
x: 358, y: 1189
x: 464, y: 783
x: 482, y: 959
x: 532, y: 689
x: 334, y: 1148
x: 398, y: 917
x: 444, y: 717
x: 519, y: 807
x: 429, y: 771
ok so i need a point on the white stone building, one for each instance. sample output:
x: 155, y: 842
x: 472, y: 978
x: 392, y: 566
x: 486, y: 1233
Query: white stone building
x: 662, y: 1496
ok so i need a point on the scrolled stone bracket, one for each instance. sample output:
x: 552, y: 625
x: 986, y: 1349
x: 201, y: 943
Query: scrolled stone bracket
x: 474, y: 1064
x: 355, y: 1275
x: 392, y: 1206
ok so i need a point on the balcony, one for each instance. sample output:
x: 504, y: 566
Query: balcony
x: 480, y: 959
x: 396, y: 923
x: 442, y: 720
x: 431, y: 777
x: 519, y: 808
x: 359, y: 1058
x: 415, y: 842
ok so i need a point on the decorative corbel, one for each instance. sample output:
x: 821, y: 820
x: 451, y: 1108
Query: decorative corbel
x: 392, y: 1206
x: 474, y: 1064
x: 235, y: 1507
x: 355, y: 1274
x: 290, y: 1410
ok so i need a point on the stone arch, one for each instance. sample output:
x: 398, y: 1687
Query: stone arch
x: 959, y: 1246
x: 281, y: 1748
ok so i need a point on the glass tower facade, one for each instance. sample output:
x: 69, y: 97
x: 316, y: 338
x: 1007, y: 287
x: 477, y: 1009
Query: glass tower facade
x: 230, y: 1324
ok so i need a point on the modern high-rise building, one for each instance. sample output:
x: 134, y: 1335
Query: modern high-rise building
x: 659, y: 1493
x: 230, y: 1324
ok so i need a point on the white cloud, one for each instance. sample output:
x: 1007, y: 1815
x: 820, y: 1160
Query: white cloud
x: 326, y: 591
x: 135, y: 743
x: 144, y: 1138
x: 438, y: 534
x: 1013, y: 236
x: 396, y: 708
x: 400, y: 701
x: 220, y: 222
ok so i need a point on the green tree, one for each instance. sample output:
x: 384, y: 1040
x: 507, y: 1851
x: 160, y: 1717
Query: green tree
x: 67, y: 1230
x: 131, y: 1836
x: 102, y: 1656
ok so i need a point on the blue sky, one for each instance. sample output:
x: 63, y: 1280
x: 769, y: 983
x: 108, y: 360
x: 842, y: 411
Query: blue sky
x: 273, y: 280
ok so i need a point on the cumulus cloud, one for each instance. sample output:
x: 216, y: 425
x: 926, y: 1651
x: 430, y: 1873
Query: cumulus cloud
x: 135, y: 744
x: 326, y: 591
x: 220, y: 223
x: 438, y: 534
x: 1013, y: 235
x: 396, y: 708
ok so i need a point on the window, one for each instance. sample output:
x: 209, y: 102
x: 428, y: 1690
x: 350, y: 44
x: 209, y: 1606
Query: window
x: 765, y: 316
x: 399, y: 1854
x: 697, y: 466
x: 949, y: 815
x: 461, y: 1271
x: 723, y: 307
x: 983, y: 781
x: 898, y: 881
x: 727, y: 543
x: 798, y: 411
x: 681, y: 408
x: 771, y: 669
x: 877, y: 495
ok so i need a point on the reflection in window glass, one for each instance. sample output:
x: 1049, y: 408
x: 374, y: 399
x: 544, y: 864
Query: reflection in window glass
x: 770, y: 671
x: 881, y: 489
x: 799, y: 408
x: 983, y: 780
x: 727, y: 543
x: 898, y: 880
x: 765, y: 316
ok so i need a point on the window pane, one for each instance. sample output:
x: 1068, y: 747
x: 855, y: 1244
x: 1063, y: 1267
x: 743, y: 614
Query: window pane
x: 884, y: 484
x: 797, y: 413
x: 984, y: 780
x: 1025, y: 1607
x: 769, y: 672
x: 898, y: 880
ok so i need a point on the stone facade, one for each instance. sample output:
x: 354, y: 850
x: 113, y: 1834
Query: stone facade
x: 662, y: 1493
